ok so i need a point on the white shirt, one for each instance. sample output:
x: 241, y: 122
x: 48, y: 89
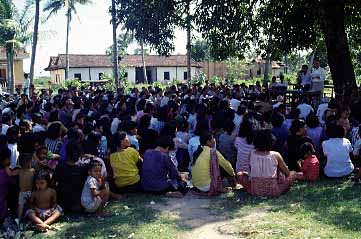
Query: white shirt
x: 14, y: 155
x: 114, y: 125
x: 4, y: 129
x: 164, y: 101
x: 38, y: 128
x: 337, y: 151
x: 193, y: 146
x: 27, y: 83
x: 318, y: 74
x: 305, y: 110
x: 321, y: 111
x: 356, y: 148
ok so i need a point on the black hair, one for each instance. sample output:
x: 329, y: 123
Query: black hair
x: 204, y: 138
x: 229, y: 126
x: 73, y: 150
x: 12, y: 135
x: 335, y: 131
x: 24, y: 159
x: 165, y: 141
x: 307, y: 148
x: 296, y: 126
x: 144, y: 122
x: 5, y: 154
x: 312, y: 120
x: 93, y: 164
x: 129, y: 125
x: 43, y: 175
x: 246, y: 131
x: 201, y: 126
x: 183, y: 125
x: 92, y: 143
x: 277, y: 119
x: 54, y: 131
x: 263, y: 141
x: 116, y: 139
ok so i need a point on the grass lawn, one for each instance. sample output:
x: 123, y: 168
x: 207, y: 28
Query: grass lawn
x: 325, y: 209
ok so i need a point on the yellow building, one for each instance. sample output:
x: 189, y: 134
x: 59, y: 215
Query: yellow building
x: 18, y: 67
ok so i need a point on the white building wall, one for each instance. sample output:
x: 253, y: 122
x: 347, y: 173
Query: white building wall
x: 94, y: 72
x: 175, y: 73
x: 83, y: 71
x: 131, y: 75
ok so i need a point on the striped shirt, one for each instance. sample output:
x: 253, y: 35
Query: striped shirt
x: 243, y: 151
x: 53, y: 146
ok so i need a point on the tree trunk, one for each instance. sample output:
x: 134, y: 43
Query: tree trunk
x: 115, y: 47
x: 266, y: 71
x: 10, y: 71
x: 338, y: 52
x: 68, y: 20
x: 143, y: 61
x: 35, y: 41
x: 189, y: 43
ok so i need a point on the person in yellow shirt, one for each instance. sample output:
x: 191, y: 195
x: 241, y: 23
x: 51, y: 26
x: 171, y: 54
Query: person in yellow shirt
x: 201, y: 177
x: 125, y: 162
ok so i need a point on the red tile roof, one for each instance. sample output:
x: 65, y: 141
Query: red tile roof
x: 94, y: 61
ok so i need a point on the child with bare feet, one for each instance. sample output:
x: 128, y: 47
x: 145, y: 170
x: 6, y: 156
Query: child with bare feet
x: 95, y: 193
x: 44, y: 208
x: 26, y: 176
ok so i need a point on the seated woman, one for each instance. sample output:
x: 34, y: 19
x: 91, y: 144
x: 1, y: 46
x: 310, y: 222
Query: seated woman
x: 267, y: 168
x: 204, y: 174
x: 124, y: 162
x: 338, y: 151
x: 159, y: 174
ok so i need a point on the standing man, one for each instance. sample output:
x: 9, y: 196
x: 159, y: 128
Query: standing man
x: 318, y: 77
x: 304, y: 78
x: 26, y: 84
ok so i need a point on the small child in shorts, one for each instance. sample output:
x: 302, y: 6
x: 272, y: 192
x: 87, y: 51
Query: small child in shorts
x: 95, y: 193
x: 44, y: 207
x: 26, y: 177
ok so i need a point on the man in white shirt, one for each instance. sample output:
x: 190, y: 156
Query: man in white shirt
x: 305, y: 79
x: 26, y: 84
x: 305, y: 109
x: 318, y: 77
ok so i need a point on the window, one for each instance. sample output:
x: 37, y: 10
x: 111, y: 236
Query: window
x: 166, y: 75
x: 185, y: 75
x: 101, y: 75
x: 77, y: 76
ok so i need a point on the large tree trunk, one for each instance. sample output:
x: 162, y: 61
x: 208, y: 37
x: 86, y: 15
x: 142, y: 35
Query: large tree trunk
x: 143, y: 62
x: 35, y: 41
x: 10, y: 71
x: 266, y: 71
x: 68, y: 20
x: 115, y: 47
x: 189, y: 43
x: 338, y: 52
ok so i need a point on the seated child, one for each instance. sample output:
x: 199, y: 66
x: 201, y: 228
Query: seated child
x: 6, y: 179
x: 26, y: 176
x: 309, y: 166
x: 44, y: 159
x: 95, y: 193
x: 44, y: 207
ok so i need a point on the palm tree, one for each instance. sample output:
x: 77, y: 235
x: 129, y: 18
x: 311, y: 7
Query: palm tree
x: 53, y: 7
x: 115, y: 47
x: 13, y: 32
x: 35, y: 40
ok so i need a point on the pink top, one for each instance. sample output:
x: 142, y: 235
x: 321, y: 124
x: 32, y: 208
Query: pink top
x: 263, y: 166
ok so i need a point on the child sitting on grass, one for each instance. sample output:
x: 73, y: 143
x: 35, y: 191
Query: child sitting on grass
x: 44, y: 207
x: 43, y: 159
x: 26, y: 176
x: 309, y: 166
x: 95, y: 193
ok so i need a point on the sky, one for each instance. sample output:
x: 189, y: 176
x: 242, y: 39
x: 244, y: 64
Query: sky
x: 91, y: 33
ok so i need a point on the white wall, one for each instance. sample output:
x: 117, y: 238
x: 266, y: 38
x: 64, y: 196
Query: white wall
x: 175, y: 73
x: 131, y: 75
x: 89, y: 73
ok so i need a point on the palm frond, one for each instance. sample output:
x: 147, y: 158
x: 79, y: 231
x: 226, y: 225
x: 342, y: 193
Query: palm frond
x: 53, y: 7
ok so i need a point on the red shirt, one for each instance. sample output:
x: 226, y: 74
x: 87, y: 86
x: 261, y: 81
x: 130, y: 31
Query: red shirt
x: 311, y: 168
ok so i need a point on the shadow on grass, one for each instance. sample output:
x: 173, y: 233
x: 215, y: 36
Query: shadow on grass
x: 129, y: 218
x: 329, y: 201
